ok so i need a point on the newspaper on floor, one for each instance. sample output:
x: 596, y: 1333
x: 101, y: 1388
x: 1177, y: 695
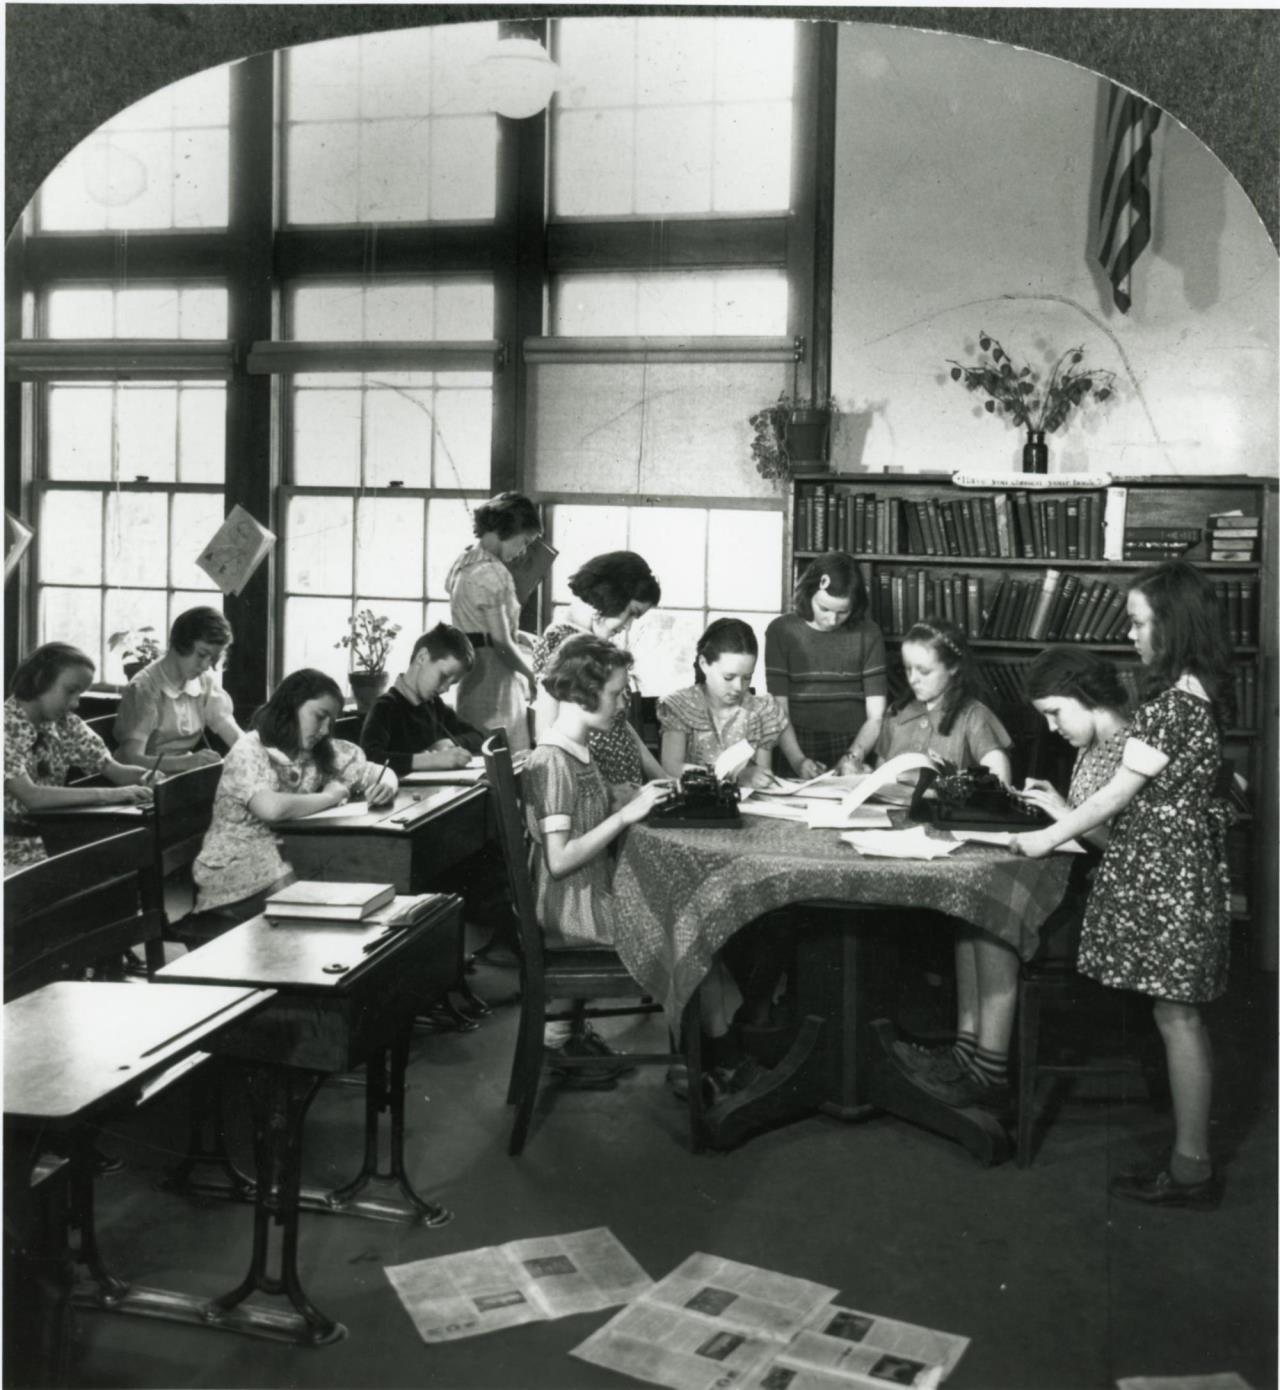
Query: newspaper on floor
x: 533, y: 1280
x: 843, y: 1348
x: 1219, y: 1380
x: 709, y: 1323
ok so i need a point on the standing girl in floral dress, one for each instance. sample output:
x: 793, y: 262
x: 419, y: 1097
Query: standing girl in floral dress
x: 495, y: 693
x: 1159, y: 916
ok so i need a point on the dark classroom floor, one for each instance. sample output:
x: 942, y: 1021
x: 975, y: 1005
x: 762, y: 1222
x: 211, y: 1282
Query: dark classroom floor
x: 1057, y: 1285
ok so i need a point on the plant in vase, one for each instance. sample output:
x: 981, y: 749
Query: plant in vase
x: 1022, y: 393
x: 790, y: 434
x: 138, y: 648
x: 369, y: 638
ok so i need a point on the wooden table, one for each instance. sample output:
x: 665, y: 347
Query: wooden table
x: 76, y: 1049
x: 428, y: 831
x: 680, y: 894
x: 344, y: 995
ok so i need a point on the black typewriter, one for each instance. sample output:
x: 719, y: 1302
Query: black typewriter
x: 972, y: 799
x: 700, y: 802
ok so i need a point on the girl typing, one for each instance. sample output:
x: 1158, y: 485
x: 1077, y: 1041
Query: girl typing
x: 288, y: 766
x: 1159, y: 916
x: 44, y: 738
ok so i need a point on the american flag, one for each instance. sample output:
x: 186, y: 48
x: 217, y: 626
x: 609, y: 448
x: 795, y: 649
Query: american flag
x: 1124, y: 207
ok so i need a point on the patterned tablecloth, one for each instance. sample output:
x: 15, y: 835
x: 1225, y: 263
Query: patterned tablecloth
x: 680, y: 894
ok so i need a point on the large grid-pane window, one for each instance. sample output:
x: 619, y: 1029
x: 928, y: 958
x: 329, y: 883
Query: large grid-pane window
x: 711, y: 562
x: 665, y: 116
x: 649, y: 304
x: 160, y: 164
x: 389, y: 128
x: 181, y: 312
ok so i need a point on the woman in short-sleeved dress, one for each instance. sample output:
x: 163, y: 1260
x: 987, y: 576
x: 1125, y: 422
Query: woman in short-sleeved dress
x: 914, y: 729
x: 565, y: 791
x: 758, y: 719
x: 1159, y: 916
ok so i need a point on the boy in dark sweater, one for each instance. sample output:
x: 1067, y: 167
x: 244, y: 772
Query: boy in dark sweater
x: 410, y: 728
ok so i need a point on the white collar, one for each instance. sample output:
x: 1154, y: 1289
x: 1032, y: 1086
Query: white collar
x: 1190, y: 685
x: 560, y: 740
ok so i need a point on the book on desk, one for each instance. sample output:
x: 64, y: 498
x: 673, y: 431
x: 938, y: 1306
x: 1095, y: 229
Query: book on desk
x: 320, y: 900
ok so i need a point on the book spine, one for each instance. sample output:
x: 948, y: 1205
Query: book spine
x: 1039, y: 624
x: 1071, y: 507
x: 1235, y: 611
x: 1249, y: 714
x: 1062, y: 604
x: 1097, y: 600
x: 933, y: 516
x: 1248, y: 612
x: 1053, y: 518
x: 1069, y: 618
x: 967, y: 541
x: 991, y: 614
x: 859, y: 522
x: 899, y: 603
x: 973, y: 605
x: 915, y: 532
x: 950, y: 530
x: 987, y: 507
x: 1026, y: 527
x: 1107, y: 614
x: 1187, y: 534
x: 1004, y: 525
x: 1113, y: 519
x: 1090, y: 536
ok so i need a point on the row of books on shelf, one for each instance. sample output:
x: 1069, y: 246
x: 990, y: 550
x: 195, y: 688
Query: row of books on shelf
x: 1005, y: 525
x: 1049, y: 607
x: 1007, y: 683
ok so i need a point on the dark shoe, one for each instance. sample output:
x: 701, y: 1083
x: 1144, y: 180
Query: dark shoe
x: 962, y: 1091
x: 105, y: 1163
x: 597, y: 1046
x: 746, y: 1073
x: 937, y: 1062
x: 1161, y: 1189
x: 597, y: 1066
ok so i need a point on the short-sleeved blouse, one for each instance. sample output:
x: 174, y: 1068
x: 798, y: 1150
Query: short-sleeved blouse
x: 759, y: 719
x: 44, y: 754
x: 170, y: 718
x: 240, y: 856
x: 564, y: 790
x: 914, y: 729
x: 614, y: 749
x: 490, y: 695
x: 478, y: 585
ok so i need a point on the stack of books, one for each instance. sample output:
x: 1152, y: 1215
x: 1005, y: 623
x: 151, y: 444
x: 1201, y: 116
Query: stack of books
x: 319, y: 900
x: 1233, y: 537
x: 1156, y: 543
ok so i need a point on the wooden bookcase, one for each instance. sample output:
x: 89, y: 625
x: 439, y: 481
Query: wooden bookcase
x: 983, y: 556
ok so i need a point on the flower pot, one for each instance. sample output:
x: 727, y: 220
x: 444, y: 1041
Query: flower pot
x: 366, y: 686
x: 131, y: 668
x: 806, y: 437
x: 1035, y: 453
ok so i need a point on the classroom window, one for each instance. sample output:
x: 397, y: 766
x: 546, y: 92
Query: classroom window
x: 160, y: 164
x: 183, y: 312
x: 391, y: 554
x: 711, y: 562
x: 448, y: 310
x: 389, y: 128
x: 666, y: 116
x: 691, y: 303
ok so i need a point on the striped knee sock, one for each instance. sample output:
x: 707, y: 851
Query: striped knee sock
x: 988, y: 1068
x: 963, y: 1049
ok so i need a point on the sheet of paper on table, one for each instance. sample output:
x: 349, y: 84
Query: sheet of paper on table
x: 817, y: 815
x: 1003, y: 837
x: 733, y: 760
x: 900, y: 844
x: 533, y: 1280
x: 457, y: 776
x: 710, y: 1322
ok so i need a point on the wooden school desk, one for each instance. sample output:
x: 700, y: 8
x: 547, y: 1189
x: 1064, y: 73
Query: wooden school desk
x: 344, y: 995
x: 75, y: 1050
x: 428, y: 831
x: 680, y: 894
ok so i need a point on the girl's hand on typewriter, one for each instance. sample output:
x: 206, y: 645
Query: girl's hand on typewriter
x: 650, y: 795
x: 1044, y: 796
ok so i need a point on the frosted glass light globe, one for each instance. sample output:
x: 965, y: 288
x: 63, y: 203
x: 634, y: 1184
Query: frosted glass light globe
x: 517, y: 77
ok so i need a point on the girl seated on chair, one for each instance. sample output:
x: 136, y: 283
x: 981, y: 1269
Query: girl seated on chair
x: 567, y: 803
x: 43, y: 739
x: 168, y: 706
x: 288, y: 766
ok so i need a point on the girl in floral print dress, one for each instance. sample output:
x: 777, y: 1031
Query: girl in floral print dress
x: 1159, y: 916
x: 44, y: 738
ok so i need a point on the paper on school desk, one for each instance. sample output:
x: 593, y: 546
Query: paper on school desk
x: 709, y: 1323
x: 844, y: 1347
x: 533, y: 1280
x: 1003, y: 837
x: 238, y: 547
x: 733, y: 760
x: 823, y: 815
x: 900, y: 844
x: 457, y: 776
x: 1218, y: 1380
x: 884, y: 777
x: 774, y: 810
x: 346, y: 811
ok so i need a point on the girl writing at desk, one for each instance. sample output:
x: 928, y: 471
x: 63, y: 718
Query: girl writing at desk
x: 288, y: 766
x: 44, y: 738
x: 1159, y: 914
x: 168, y: 706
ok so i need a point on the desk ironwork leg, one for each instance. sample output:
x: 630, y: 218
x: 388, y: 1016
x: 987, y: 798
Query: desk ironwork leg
x: 384, y: 1094
x: 85, y: 1248
x: 207, y: 1146
x: 279, y: 1097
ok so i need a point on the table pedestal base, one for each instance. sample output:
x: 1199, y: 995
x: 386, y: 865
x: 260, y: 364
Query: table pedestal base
x: 786, y: 1092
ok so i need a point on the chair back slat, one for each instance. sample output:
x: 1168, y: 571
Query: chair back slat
x: 77, y: 909
x: 513, y: 837
x: 183, y: 810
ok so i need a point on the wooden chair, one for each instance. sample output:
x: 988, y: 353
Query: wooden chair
x: 578, y: 975
x: 104, y: 725
x: 349, y: 727
x: 78, y: 910
x: 182, y: 811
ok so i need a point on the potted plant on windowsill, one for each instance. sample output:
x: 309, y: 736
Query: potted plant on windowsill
x: 138, y: 648
x: 791, y: 435
x: 369, y: 641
